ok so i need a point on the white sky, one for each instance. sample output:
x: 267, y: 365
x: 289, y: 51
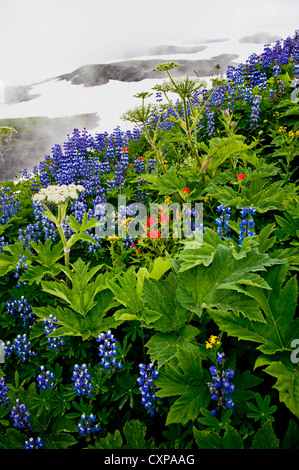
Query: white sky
x: 40, y: 38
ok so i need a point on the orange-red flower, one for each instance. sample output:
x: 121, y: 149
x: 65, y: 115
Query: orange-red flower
x: 150, y: 221
x: 154, y: 234
x: 164, y: 218
x: 186, y: 190
x: 240, y: 177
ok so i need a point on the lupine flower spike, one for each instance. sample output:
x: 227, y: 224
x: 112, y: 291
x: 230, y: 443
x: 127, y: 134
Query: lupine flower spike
x: 147, y: 388
x: 108, y: 351
x: 220, y: 387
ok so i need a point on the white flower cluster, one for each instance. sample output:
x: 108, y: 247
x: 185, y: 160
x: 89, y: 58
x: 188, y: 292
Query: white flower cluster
x: 58, y: 194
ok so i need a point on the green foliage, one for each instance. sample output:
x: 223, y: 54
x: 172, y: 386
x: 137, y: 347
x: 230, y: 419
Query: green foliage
x: 175, y: 305
x: 188, y: 380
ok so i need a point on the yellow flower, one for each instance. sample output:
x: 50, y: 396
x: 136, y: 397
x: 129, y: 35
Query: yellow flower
x: 291, y: 134
x: 213, y: 339
x: 113, y: 239
x: 167, y: 200
x: 206, y: 198
x: 282, y: 130
x: 276, y: 114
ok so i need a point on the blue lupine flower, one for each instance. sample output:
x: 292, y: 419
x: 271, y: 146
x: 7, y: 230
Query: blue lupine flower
x: 45, y: 379
x: 213, y: 370
x: 108, y: 351
x: 20, y: 416
x: 86, y: 427
x: 32, y: 443
x: 81, y: 377
x: 147, y: 388
x: 21, y: 347
x: 9, y: 205
x: 222, y: 222
x: 56, y: 342
x: 3, y: 392
x: 220, y: 357
x: 220, y: 387
x: 21, y: 308
x: 246, y: 224
x: 2, y: 243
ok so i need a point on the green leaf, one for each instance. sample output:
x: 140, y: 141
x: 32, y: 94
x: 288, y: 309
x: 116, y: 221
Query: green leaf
x: 169, y: 183
x: 279, y: 306
x: 211, y: 440
x: 126, y: 293
x: 12, y: 439
x: 58, y: 440
x: 48, y: 252
x: 9, y: 261
x: 81, y: 297
x: 110, y: 441
x: 291, y: 437
x: 160, y: 296
x: 226, y: 284
x: 287, y: 384
x: 265, y: 438
x: 160, y: 267
x: 135, y: 432
x: 189, y: 382
x: 162, y: 347
x: 37, y: 273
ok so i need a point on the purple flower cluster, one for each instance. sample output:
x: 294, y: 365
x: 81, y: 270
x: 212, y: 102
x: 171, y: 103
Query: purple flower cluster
x: 20, y: 416
x: 81, y: 377
x: 9, y: 205
x: 22, y: 264
x: 246, y: 224
x: 53, y: 342
x: 21, y: 347
x: 243, y: 84
x: 147, y: 387
x: 220, y: 387
x: 22, y: 309
x: 32, y: 443
x: 86, y: 426
x: 108, y: 351
x: 223, y: 228
x: 45, y: 379
x: 3, y: 392
x: 2, y: 243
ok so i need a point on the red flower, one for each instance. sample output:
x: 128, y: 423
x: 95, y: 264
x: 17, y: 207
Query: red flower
x: 150, y: 221
x: 240, y: 177
x: 164, y: 218
x: 140, y: 158
x: 154, y: 234
x: 131, y: 164
x: 186, y: 190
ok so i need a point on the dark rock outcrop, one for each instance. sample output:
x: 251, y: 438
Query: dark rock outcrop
x: 137, y: 70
